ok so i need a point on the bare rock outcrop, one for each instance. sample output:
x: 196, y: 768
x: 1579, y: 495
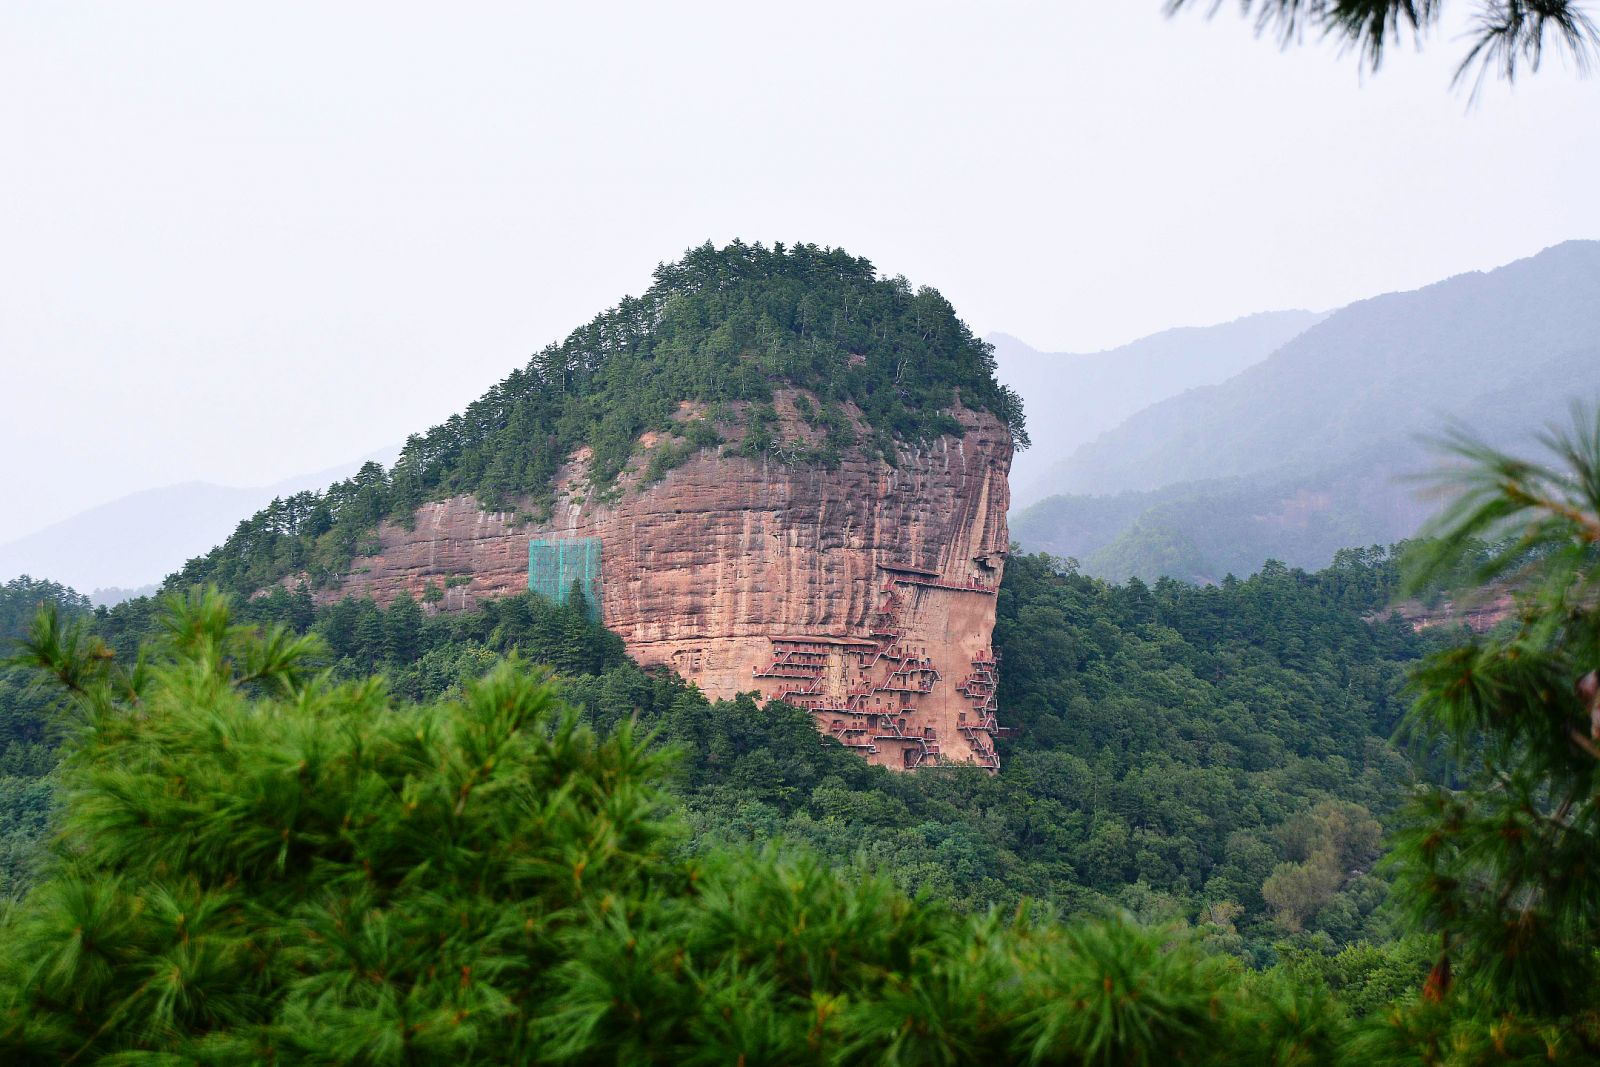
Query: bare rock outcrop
x: 1480, y: 612
x: 864, y: 593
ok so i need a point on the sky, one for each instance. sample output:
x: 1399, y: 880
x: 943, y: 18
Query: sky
x: 238, y: 244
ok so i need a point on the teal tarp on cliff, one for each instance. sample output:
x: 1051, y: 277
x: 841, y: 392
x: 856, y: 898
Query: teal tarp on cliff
x: 558, y: 569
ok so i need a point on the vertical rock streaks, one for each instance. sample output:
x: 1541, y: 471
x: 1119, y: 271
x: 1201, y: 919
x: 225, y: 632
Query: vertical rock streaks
x: 865, y: 593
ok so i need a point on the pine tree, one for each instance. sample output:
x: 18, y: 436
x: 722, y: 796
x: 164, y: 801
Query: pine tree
x: 402, y: 629
x: 371, y: 637
x: 303, y: 608
x: 1505, y: 871
x: 1508, y: 34
x: 259, y: 866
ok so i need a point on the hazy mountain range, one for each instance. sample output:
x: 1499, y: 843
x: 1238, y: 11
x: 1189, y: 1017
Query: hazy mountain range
x: 130, y: 542
x: 1310, y: 449
x: 1072, y: 398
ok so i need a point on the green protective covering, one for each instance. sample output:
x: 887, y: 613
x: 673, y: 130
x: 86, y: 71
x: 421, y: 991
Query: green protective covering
x: 557, y: 567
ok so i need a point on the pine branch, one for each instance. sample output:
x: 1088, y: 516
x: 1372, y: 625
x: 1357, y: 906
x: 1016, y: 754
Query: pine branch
x: 1509, y: 34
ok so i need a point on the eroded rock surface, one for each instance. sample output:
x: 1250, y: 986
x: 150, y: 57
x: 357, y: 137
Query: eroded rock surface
x: 864, y: 593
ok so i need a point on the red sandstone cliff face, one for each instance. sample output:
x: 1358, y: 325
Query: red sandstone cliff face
x: 1481, y: 612
x: 865, y: 594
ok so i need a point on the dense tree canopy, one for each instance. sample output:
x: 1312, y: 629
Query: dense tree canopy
x: 262, y: 853
x: 259, y: 865
x: 1177, y: 745
x: 27, y: 732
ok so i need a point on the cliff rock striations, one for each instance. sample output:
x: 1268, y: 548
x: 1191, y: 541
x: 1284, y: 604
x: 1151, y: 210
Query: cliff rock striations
x: 864, y: 593
x: 804, y: 495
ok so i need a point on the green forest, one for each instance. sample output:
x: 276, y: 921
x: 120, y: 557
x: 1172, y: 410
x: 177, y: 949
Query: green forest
x: 1297, y: 745
x: 1263, y: 820
x: 265, y: 830
x: 1172, y: 745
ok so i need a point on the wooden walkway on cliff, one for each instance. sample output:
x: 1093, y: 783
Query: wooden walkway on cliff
x: 935, y: 580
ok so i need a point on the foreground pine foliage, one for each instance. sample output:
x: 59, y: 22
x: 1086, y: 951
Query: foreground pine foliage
x: 258, y: 865
x: 1504, y: 868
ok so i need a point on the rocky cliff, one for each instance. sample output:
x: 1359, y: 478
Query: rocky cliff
x: 864, y: 593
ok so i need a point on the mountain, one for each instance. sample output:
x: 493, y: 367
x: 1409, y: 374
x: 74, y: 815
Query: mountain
x: 1074, y: 397
x: 126, y: 544
x: 1313, y: 448
x: 1201, y: 531
x: 110, y: 596
x: 773, y: 471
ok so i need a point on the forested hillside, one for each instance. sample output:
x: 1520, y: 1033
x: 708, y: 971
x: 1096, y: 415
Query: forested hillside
x: 721, y: 327
x: 28, y: 732
x: 1175, y: 745
x: 261, y: 866
x: 266, y: 853
x: 1202, y: 531
x: 1211, y: 763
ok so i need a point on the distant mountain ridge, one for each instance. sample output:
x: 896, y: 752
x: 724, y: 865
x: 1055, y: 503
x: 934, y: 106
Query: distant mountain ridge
x: 135, y: 541
x: 1401, y: 360
x: 1071, y: 398
x: 1310, y: 450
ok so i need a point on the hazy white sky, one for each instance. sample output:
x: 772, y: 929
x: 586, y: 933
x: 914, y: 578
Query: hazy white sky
x: 237, y: 246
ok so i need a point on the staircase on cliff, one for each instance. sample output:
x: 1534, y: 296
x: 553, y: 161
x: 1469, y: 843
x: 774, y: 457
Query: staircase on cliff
x: 885, y: 696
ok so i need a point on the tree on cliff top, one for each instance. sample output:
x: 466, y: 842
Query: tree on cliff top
x: 720, y: 327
